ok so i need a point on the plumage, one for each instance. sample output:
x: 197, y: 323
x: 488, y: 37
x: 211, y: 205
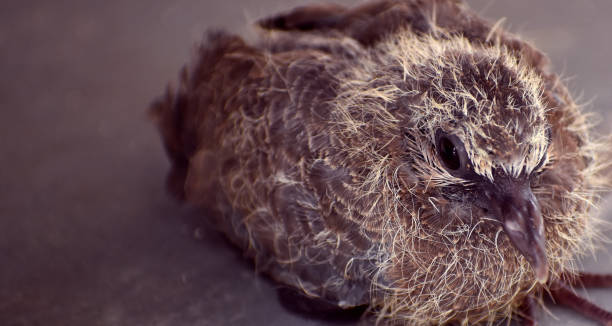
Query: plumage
x: 355, y: 153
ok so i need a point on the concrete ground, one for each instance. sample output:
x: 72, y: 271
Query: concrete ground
x: 88, y: 235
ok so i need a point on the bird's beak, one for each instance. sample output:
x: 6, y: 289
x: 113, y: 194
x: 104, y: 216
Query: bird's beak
x: 519, y: 212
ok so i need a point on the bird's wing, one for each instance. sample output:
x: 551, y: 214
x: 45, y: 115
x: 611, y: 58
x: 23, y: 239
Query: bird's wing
x: 371, y: 22
x: 243, y: 131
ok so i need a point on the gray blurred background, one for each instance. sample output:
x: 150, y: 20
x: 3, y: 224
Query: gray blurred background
x: 88, y: 235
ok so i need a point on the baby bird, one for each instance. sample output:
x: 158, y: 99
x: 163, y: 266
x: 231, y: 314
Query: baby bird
x: 405, y: 155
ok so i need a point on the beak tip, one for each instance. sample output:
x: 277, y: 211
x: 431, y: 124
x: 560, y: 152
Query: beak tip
x: 541, y: 273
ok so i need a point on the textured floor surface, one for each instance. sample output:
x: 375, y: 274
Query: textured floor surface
x: 87, y: 233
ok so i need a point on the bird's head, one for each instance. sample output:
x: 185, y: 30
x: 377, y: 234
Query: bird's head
x: 461, y: 149
x: 482, y: 119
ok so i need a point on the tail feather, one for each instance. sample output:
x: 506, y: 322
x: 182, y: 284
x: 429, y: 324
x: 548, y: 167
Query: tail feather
x: 187, y: 117
x: 168, y: 114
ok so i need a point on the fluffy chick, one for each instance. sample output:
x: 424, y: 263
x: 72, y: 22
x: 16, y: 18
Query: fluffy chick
x: 405, y: 155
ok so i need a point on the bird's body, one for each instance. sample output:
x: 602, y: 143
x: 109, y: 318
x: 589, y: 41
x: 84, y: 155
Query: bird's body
x: 354, y: 155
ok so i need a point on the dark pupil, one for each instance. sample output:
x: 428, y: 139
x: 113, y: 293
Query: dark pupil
x: 449, y: 155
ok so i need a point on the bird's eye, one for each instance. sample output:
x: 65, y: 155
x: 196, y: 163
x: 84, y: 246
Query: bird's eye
x: 453, y: 155
x: 448, y: 153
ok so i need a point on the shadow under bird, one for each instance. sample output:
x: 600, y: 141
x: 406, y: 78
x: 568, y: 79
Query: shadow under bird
x: 407, y: 156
